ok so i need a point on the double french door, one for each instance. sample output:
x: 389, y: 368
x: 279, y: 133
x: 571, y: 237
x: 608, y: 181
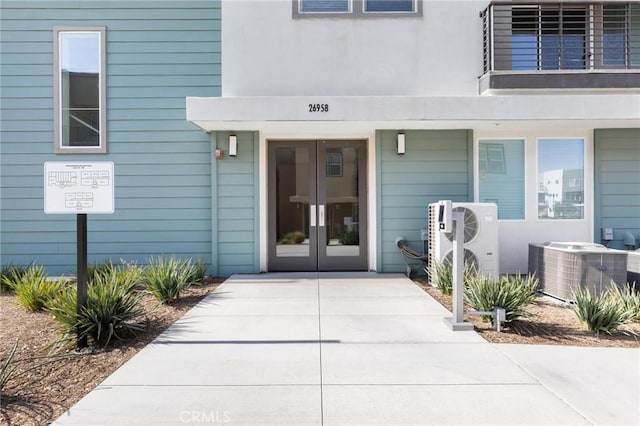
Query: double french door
x: 317, y: 205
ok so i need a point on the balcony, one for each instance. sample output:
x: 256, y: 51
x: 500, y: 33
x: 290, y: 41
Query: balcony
x: 567, y: 45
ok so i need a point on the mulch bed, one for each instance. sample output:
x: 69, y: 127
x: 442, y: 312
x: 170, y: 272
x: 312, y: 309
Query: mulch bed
x: 45, y: 387
x: 550, y: 322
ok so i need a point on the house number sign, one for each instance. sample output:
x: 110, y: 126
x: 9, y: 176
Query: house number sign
x: 318, y: 107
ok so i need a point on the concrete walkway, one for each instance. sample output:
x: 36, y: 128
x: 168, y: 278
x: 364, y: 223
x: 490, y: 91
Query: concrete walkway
x: 352, y: 349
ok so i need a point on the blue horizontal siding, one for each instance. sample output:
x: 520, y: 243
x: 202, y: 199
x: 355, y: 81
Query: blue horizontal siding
x: 436, y: 166
x: 235, y: 230
x: 158, y: 53
x: 617, y: 183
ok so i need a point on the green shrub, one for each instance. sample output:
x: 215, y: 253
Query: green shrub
x: 600, y: 312
x: 10, y: 275
x: 199, y: 272
x: 628, y: 297
x: 34, y: 290
x: 441, y: 275
x: 126, y: 273
x: 512, y: 293
x: 103, y: 268
x: 129, y: 275
x: 113, y: 310
x: 166, y: 278
x: 7, y: 369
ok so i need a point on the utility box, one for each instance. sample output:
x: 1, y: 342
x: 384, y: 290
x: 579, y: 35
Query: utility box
x: 562, y: 267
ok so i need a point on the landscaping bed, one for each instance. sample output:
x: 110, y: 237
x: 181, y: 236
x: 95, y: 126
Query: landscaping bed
x: 550, y: 322
x: 48, y: 386
x: 45, y: 387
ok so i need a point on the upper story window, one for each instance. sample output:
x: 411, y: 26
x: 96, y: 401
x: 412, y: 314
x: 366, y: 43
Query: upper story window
x: 79, y: 90
x: 389, y: 6
x: 324, y: 6
x: 356, y: 8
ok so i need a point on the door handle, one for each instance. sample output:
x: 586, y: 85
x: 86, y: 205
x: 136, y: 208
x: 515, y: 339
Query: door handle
x: 321, y: 215
x: 312, y: 215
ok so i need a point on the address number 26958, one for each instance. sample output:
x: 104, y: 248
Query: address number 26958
x: 318, y: 107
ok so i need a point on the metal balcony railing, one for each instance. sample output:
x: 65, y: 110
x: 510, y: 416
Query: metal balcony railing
x: 523, y: 36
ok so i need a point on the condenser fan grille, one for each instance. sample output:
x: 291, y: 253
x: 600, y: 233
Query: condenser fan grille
x: 470, y: 259
x: 470, y: 225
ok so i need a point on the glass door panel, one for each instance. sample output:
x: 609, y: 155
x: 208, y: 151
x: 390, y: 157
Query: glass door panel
x: 292, y: 198
x: 293, y: 236
x: 342, y: 194
x: 317, y: 205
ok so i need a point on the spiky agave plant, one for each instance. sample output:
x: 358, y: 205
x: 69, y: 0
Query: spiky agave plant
x: 600, y: 313
x: 628, y: 296
x: 512, y: 293
x: 441, y: 275
x: 34, y: 290
x: 166, y: 278
x: 199, y: 272
x: 10, y: 275
x: 7, y: 369
x: 113, y: 310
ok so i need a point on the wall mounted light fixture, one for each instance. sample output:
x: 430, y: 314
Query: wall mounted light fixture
x: 233, y: 145
x: 400, y: 144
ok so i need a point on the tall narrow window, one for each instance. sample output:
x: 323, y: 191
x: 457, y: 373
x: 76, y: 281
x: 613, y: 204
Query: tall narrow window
x: 80, y: 112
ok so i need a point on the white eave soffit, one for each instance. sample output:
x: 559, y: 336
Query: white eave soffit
x: 216, y: 113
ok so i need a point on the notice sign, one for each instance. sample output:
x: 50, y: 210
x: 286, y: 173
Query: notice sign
x: 79, y: 187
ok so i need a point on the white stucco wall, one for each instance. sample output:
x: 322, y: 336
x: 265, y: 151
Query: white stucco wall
x: 268, y: 52
x: 397, y: 73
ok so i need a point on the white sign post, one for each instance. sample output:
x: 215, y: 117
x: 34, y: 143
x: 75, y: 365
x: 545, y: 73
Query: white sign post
x: 452, y: 220
x: 80, y: 188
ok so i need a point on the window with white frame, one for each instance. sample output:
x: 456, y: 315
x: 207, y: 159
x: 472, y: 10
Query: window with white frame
x: 356, y: 8
x: 560, y: 178
x: 501, y: 167
x: 79, y: 90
